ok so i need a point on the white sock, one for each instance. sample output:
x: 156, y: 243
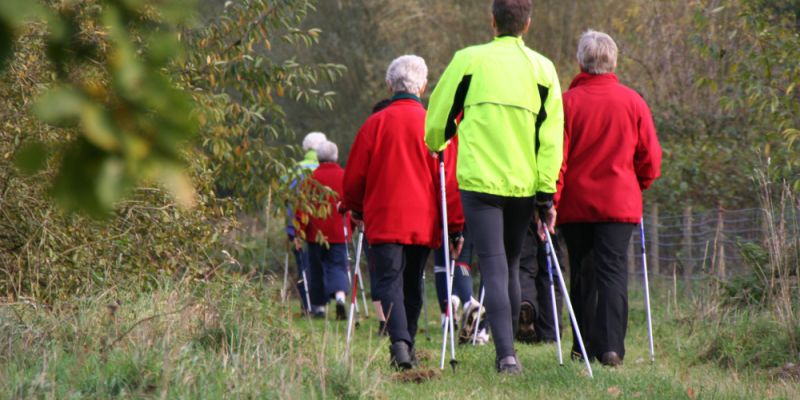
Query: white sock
x: 340, y: 297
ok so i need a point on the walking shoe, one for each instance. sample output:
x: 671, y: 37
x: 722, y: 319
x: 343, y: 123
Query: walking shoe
x: 341, y: 314
x: 473, y: 313
x: 509, y: 365
x: 414, y: 360
x: 400, y: 356
x: 527, y: 331
x: 318, y: 312
x: 611, y: 359
x: 482, y: 338
x: 456, y: 303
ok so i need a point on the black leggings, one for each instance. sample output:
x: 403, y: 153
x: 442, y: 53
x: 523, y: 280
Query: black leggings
x: 498, y: 225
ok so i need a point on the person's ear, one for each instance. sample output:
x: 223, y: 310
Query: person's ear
x: 527, y: 26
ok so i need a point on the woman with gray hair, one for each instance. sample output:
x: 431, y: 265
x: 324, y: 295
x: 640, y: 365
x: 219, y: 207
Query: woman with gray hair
x: 390, y: 183
x: 325, y: 234
x: 611, y: 154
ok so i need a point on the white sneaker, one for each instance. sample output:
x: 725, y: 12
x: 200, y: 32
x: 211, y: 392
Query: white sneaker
x: 472, y: 316
x: 456, y: 307
x: 483, y: 337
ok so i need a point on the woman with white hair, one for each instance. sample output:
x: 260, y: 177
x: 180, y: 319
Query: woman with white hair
x: 307, y: 165
x: 611, y: 154
x: 391, y: 183
x: 325, y: 234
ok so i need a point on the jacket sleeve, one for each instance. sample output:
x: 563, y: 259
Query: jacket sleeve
x: 446, y: 104
x: 551, y: 135
x: 355, y: 172
x: 563, y: 172
x: 647, y: 157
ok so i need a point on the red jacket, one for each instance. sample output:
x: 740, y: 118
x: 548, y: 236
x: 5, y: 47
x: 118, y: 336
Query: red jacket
x: 393, y: 181
x: 332, y: 226
x: 611, y: 152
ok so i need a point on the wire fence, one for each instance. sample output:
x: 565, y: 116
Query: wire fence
x: 697, y: 243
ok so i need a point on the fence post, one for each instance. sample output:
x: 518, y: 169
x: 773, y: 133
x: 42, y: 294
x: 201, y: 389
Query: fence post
x: 652, y: 238
x: 720, y: 240
x: 688, y: 264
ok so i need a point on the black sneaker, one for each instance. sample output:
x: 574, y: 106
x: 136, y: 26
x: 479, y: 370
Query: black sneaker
x: 509, y: 365
x: 527, y: 331
x: 400, y: 355
x: 611, y: 359
x: 341, y: 314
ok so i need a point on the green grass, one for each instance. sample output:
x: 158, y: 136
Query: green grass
x: 235, y: 339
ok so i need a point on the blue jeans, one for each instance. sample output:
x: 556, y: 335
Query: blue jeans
x: 328, y: 272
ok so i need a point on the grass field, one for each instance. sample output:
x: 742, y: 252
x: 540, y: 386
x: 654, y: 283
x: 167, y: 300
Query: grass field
x: 236, y: 340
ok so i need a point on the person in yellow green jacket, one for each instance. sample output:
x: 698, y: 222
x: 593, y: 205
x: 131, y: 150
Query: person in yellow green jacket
x: 504, y: 102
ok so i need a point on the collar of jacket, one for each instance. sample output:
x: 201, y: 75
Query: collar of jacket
x: 327, y: 165
x: 406, y: 95
x: 585, y: 78
x: 311, y: 155
x: 508, y: 39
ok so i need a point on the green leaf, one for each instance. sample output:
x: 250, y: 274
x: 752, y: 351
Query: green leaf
x: 98, y: 128
x: 31, y: 158
x: 110, y: 183
x: 60, y: 107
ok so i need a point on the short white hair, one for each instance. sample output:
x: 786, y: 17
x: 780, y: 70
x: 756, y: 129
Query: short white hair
x: 313, y: 140
x: 597, y: 53
x: 328, y: 152
x: 407, y: 74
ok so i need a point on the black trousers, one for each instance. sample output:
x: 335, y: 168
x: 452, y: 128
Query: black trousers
x: 534, y: 281
x: 398, y: 278
x: 497, y: 225
x: 598, y: 255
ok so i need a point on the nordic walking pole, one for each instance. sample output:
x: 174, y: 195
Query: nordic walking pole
x: 449, y: 328
x: 647, y: 293
x: 446, y: 245
x: 347, y: 253
x: 351, y: 317
x: 451, y: 311
x: 478, y: 322
x: 358, y: 272
x: 285, y: 277
x: 555, y: 306
x: 564, y: 292
x: 425, y: 308
x: 305, y: 285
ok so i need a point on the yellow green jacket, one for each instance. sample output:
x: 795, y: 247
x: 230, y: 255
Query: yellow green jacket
x: 510, y: 137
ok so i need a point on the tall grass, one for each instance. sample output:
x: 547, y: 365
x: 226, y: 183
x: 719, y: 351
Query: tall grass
x: 200, y: 340
x: 753, y: 320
